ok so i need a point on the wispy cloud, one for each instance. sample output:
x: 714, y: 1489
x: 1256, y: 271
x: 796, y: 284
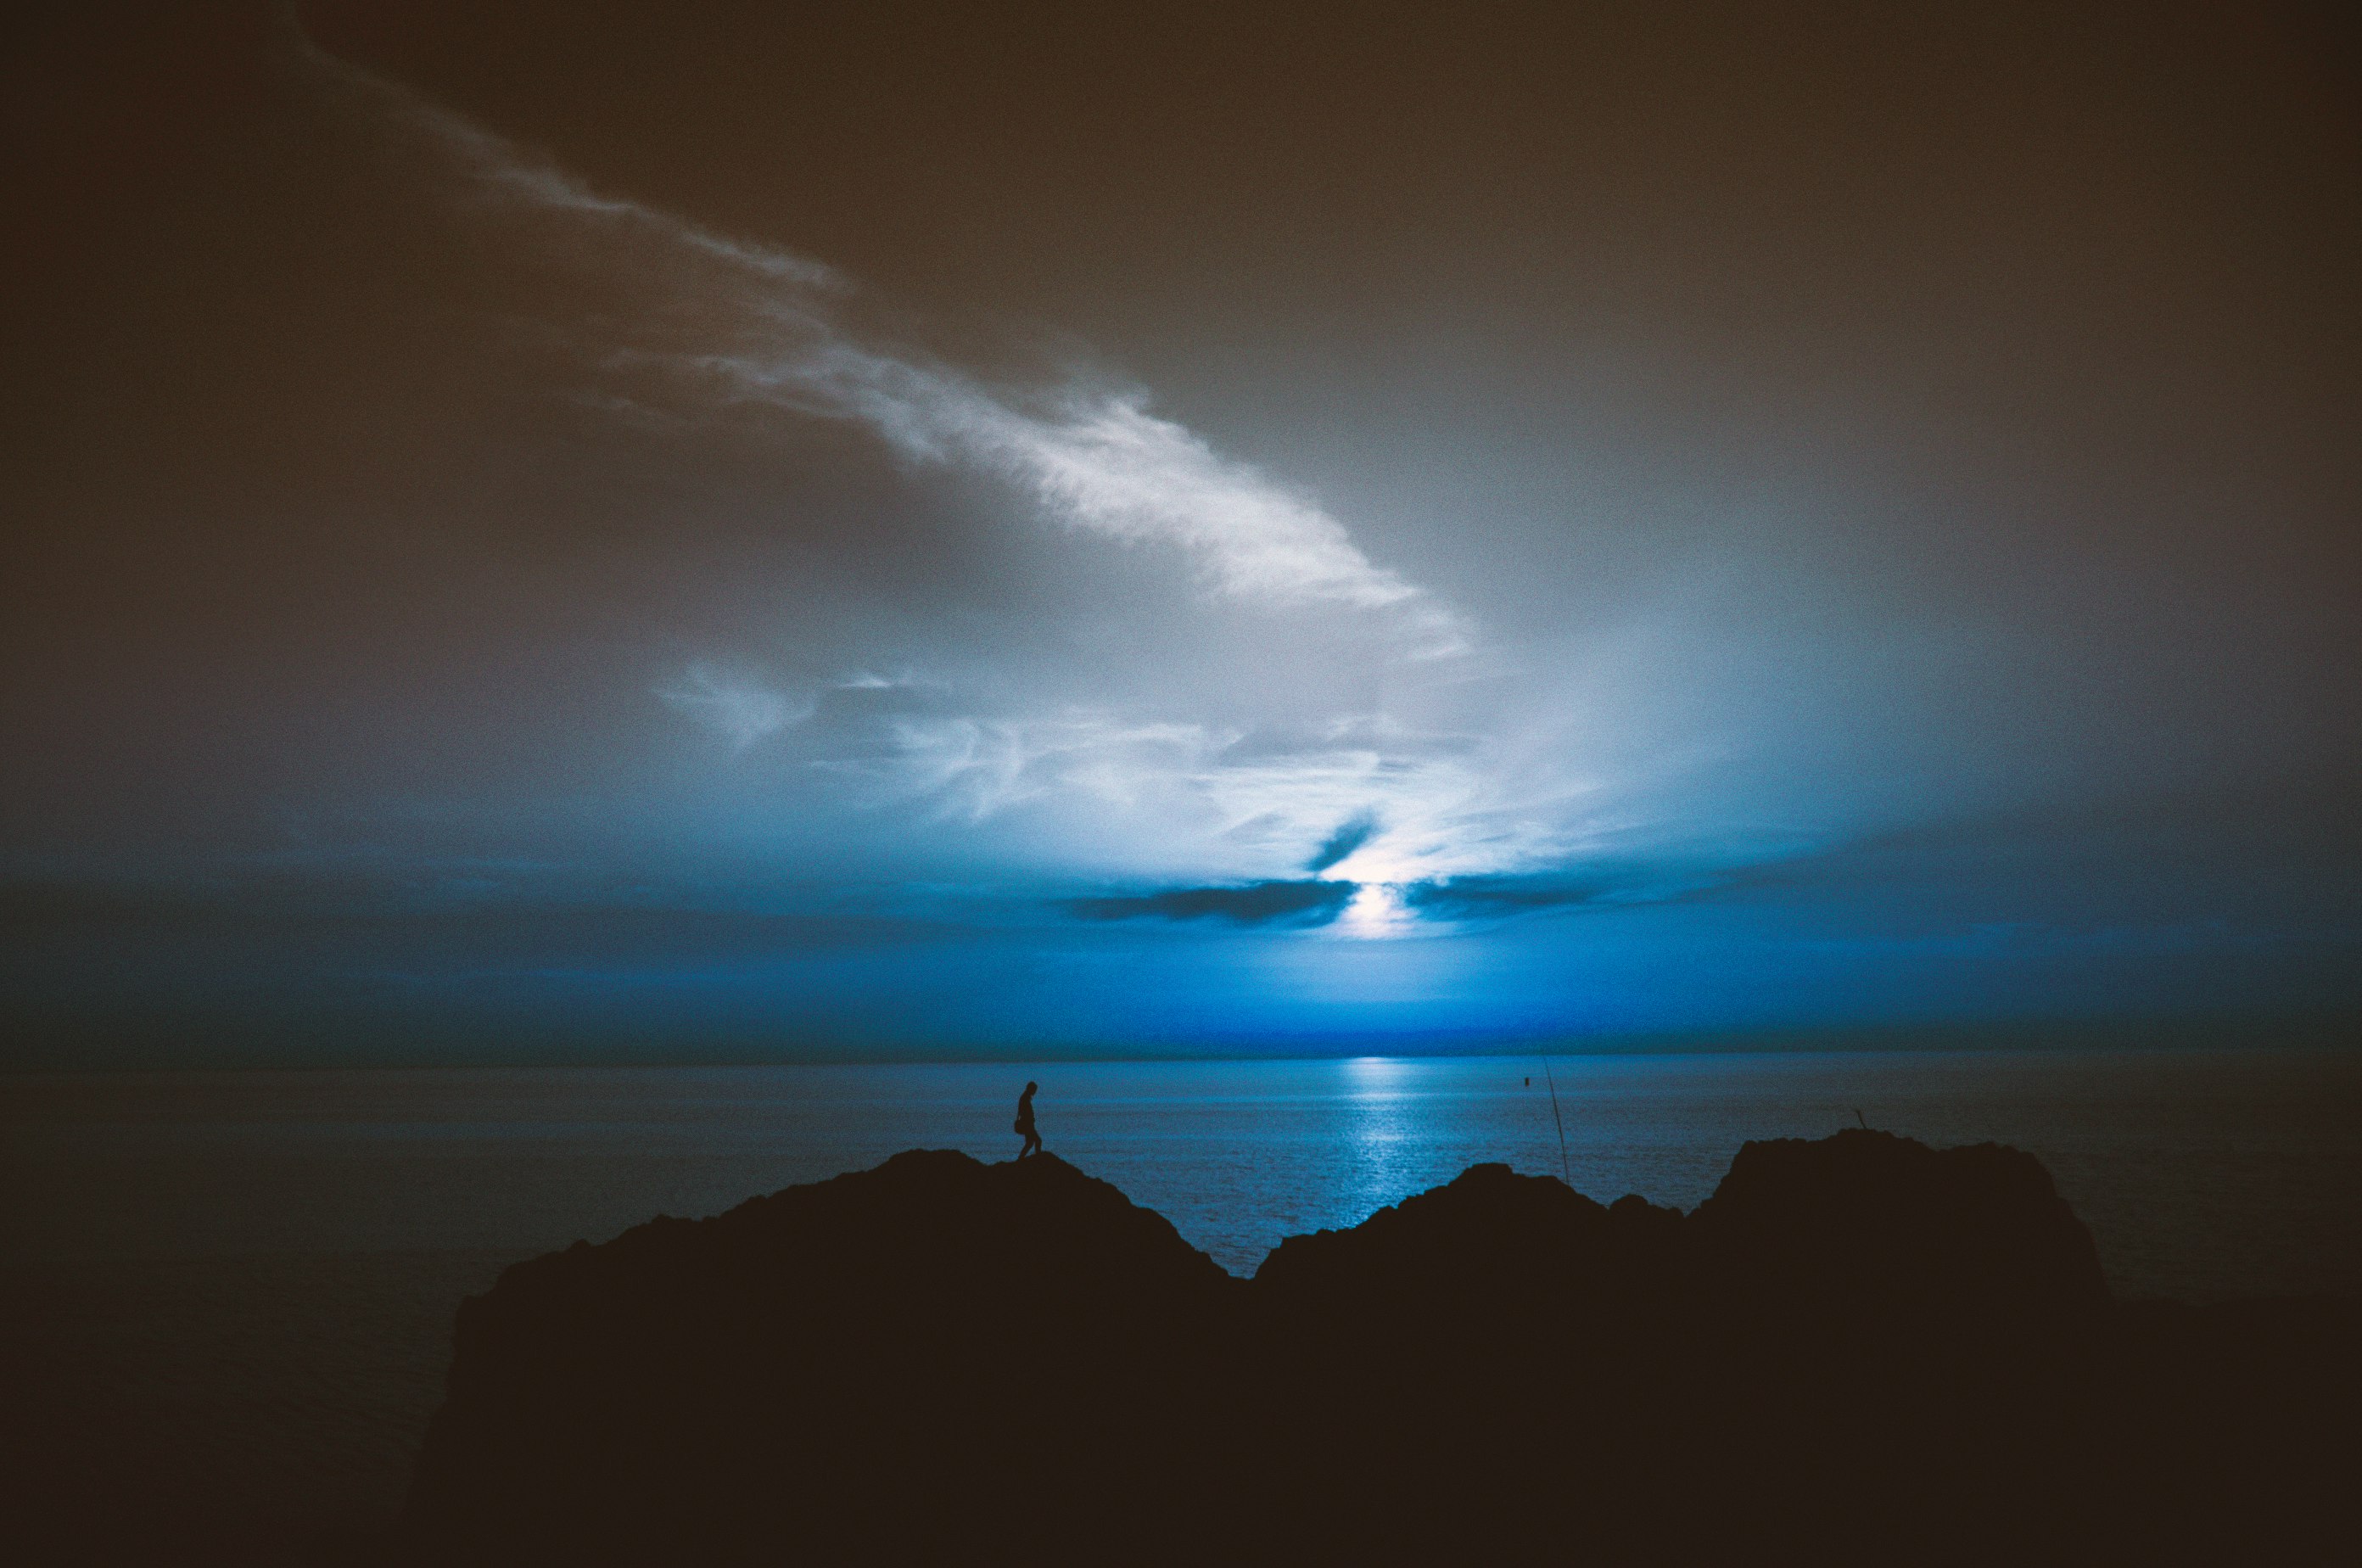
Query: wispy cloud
x: 739, y: 708
x: 1230, y: 803
x: 753, y: 325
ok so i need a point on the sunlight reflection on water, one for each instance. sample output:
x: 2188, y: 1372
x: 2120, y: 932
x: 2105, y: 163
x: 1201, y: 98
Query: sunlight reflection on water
x: 2199, y: 1174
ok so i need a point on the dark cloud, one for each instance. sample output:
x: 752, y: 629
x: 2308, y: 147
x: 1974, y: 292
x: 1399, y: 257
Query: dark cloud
x: 1257, y: 903
x: 1349, y: 837
x: 1476, y: 898
x: 1608, y: 884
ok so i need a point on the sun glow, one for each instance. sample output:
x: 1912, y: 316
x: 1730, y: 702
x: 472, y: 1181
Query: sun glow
x: 1376, y: 911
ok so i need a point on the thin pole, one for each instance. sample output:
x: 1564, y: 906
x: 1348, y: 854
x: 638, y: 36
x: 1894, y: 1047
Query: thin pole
x: 1555, y: 1117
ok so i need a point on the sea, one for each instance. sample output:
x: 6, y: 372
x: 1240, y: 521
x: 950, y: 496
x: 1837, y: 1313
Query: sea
x: 226, y: 1298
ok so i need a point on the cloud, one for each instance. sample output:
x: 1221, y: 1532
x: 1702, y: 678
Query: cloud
x: 1192, y: 801
x: 750, y: 325
x: 1613, y: 885
x: 740, y: 709
x: 1256, y: 903
x: 1478, y: 898
x: 976, y: 767
x: 1384, y: 910
x: 1349, y: 837
x: 1231, y: 760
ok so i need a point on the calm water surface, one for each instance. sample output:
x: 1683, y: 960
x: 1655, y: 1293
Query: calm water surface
x: 237, y: 1287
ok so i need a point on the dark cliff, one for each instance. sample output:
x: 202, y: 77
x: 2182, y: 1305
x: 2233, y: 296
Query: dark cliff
x: 885, y: 1361
x: 1858, y: 1347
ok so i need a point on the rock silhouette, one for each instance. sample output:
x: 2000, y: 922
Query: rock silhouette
x: 1858, y: 1347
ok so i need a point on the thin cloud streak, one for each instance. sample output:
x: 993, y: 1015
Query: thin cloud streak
x: 1100, y: 462
x: 741, y: 709
x: 1303, y: 903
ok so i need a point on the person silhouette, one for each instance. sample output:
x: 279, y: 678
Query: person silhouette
x: 1025, y: 1122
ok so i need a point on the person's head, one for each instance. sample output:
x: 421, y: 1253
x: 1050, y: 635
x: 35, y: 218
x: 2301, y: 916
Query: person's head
x: 1030, y: 1085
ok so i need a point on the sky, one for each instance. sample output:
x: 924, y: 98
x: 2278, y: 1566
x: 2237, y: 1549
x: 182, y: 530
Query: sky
x: 546, y: 532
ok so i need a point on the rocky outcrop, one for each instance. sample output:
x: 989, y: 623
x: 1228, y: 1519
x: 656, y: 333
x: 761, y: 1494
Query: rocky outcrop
x: 883, y: 1364
x: 1857, y: 1347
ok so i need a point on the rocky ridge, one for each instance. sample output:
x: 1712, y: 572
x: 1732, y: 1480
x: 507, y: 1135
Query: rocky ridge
x: 1858, y: 1346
